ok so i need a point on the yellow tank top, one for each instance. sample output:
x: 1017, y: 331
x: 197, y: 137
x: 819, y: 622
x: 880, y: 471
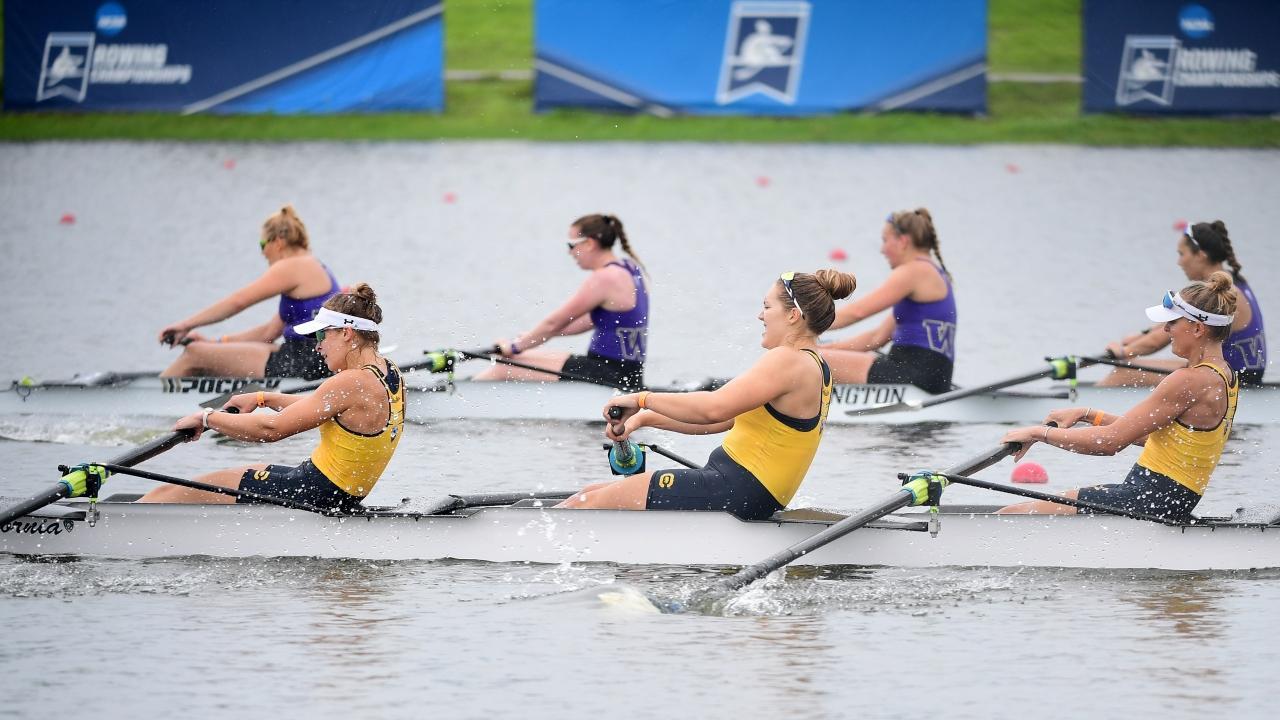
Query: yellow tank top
x: 770, y: 446
x: 1188, y: 455
x: 354, y: 461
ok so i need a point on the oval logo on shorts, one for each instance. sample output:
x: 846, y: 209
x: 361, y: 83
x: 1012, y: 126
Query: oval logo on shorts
x: 666, y: 480
x: 261, y: 475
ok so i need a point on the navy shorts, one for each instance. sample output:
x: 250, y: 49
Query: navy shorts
x: 911, y: 365
x: 304, y: 483
x: 297, y: 358
x: 1144, y: 491
x: 622, y: 374
x: 722, y: 486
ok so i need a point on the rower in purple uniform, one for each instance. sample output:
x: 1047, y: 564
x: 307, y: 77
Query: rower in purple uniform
x: 1203, y: 249
x: 922, y: 325
x: 303, y: 284
x: 613, y: 303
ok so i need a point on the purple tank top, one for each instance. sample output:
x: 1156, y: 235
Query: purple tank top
x: 1246, y: 349
x: 623, y: 335
x: 295, y: 312
x: 930, y: 325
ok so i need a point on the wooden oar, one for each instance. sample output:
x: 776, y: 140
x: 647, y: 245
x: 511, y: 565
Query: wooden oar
x: 1060, y: 368
x: 908, y: 495
x: 85, y: 478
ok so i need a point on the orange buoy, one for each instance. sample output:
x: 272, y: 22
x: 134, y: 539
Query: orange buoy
x: 1029, y: 472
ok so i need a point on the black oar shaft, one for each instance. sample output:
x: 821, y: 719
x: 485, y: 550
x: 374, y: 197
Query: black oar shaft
x: 526, y: 366
x: 139, y: 454
x: 219, y: 490
x: 898, y: 500
x: 47, y: 497
x: 672, y: 456
x: 1034, y: 495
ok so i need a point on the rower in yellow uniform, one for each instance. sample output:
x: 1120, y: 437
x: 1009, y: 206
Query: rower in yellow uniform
x: 774, y: 413
x: 1183, y: 425
x: 360, y: 413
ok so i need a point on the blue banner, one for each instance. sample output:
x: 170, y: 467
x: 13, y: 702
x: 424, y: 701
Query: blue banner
x: 761, y: 57
x: 1176, y: 57
x: 232, y: 56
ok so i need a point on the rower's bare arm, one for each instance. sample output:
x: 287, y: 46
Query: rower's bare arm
x: 304, y: 412
x: 589, y: 296
x: 266, y: 332
x: 895, y: 287
x: 1164, y: 405
x: 1152, y: 341
x: 869, y: 340
x: 277, y: 280
x: 771, y: 377
x: 653, y: 419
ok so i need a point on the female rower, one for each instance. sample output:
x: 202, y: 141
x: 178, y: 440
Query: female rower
x: 774, y: 413
x: 1183, y: 424
x: 613, y: 302
x: 1203, y: 248
x: 922, y: 325
x: 360, y: 413
x: 303, y: 284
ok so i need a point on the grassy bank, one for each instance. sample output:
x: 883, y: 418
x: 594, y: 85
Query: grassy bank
x: 1041, y: 36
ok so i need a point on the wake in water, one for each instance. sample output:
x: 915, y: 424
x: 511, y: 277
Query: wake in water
x: 114, y: 431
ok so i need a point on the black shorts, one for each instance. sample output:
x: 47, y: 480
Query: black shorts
x: 913, y: 365
x: 297, y: 358
x: 723, y: 485
x: 304, y: 483
x: 1144, y: 491
x: 622, y: 374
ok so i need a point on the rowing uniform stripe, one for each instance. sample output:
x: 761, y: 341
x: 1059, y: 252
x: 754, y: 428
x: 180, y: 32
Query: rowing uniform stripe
x: 776, y: 449
x: 1186, y: 455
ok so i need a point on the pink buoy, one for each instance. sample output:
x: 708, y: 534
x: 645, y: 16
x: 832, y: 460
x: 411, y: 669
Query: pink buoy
x: 1180, y: 225
x: 838, y: 255
x: 1012, y: 168
x: 229, y: 164
x: 450, y: 198
x: 67, y: 219
x: 1029, y: 472
x: 762, y: 181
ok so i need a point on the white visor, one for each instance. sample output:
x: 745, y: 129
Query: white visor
x: 1174, y: 307
x: 327, y: 318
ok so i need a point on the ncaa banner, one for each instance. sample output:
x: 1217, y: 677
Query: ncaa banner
x: 229, y: 56
x: 761, y: 57
x: 1178, y: 57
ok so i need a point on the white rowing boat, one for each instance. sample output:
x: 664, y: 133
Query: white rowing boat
x: 430, y: 398
x: 529, y: 530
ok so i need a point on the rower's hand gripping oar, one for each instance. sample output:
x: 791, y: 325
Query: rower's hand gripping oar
x: 625, y: 456
x: 920, y: 489
x: 1060, y: 368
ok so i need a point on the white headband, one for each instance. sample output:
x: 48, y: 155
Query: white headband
x: 327, y: 318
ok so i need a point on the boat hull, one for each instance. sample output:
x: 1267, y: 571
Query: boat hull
x: 547, y: 535
x: 429, y: 399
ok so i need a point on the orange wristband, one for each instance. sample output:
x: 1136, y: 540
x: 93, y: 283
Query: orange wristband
x: 642, y: 398
x: 262, y: 399
x: 1098, y: 417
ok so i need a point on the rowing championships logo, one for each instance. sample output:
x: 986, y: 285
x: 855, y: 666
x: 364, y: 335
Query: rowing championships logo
x: 763, y: 51
x: 1152, y: 67
x: 75, y: 60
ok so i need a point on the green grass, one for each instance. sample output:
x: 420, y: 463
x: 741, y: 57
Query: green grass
x: 1025, y: 36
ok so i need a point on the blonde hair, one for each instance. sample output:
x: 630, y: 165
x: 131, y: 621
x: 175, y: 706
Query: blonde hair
x: 286, y: 225
x: 1215, y: 295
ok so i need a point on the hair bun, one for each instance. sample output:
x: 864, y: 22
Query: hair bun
x: 839, y: 285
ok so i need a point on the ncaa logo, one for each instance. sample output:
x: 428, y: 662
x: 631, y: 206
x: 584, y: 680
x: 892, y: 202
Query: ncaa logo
x: 111, y: 19
x: 763, y: 51
x: 1195, y: 21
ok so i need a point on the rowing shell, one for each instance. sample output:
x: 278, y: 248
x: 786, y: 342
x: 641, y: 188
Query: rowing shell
x: 430, y: 399
x: 528, y: 531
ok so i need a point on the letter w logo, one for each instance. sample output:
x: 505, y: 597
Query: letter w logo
x: 632, y: 342
x: 942, y: 336
x: 1254, y: 351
